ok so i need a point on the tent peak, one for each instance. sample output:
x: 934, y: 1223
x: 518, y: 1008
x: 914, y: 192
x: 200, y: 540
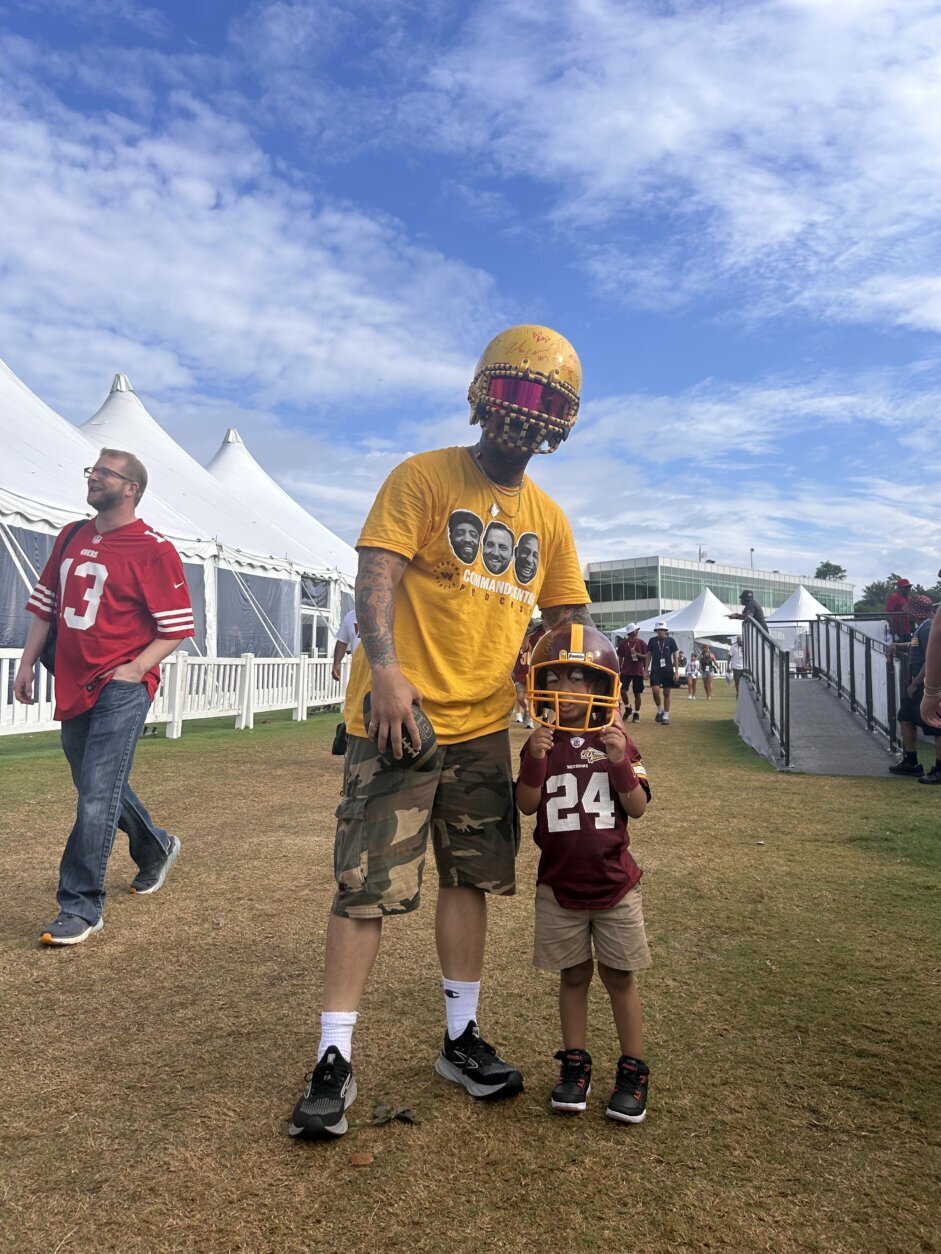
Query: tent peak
x: 233, y: 437
x: 122, y: 384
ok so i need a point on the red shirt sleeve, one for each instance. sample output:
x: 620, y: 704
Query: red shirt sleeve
x: 167, y: 596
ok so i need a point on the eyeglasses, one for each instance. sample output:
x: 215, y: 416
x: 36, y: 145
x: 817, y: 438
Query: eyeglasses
x: 102, y: 472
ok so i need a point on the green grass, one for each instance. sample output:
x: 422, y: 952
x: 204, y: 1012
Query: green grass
x: 791, y: 1024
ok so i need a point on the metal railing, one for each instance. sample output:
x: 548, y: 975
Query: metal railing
x: 196, y: 687
x: 856, y: 665
x: 766, y: 669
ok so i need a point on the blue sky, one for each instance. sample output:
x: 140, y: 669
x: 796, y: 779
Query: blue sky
x: 305, y: 220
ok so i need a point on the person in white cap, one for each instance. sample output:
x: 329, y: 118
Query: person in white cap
x: 661, y: 667
x: 632, y: 656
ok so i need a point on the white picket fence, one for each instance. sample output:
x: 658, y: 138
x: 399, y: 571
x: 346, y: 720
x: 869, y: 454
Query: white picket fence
x: 197, y: 687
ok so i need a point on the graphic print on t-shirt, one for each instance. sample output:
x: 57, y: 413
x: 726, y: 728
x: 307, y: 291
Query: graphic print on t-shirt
x: 464, y: 532
x: 526, y: 559
x: 498, y: 547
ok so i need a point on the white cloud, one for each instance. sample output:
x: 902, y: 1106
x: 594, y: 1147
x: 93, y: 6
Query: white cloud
x: 792, y: 147
x: 180, y: 243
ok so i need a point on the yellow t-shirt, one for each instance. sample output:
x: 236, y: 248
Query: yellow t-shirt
x: 466, y: 597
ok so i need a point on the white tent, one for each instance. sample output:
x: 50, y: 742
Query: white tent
x: 236, y: 469
x: 706, y: 616
x: 795, y: 616
x: 646, y: 627
x: 801, y: 606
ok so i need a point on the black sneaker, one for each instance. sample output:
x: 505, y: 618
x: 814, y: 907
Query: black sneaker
x: 628, y: 1102
x: 330, y: 1089
x: 471, y: 1062
x: 907, y: 768
x: 69, y: 929
x: 932, y: 777
x: 571, y: 1092
x: 152, y: 880
x: 659, y: 718
x: 635, y: 718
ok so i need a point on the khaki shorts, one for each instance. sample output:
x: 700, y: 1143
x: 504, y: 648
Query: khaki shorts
x: 463, y: 798
x: 564, y: 937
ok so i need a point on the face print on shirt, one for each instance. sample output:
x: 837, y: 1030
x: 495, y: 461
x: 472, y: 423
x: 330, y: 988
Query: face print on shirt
x: 464, y: 532
x: 526, y: 561
x: 498, y: 548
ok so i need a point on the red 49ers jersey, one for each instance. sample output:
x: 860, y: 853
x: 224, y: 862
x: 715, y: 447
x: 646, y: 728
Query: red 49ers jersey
x: 112, y: 593
x: 581, y: 826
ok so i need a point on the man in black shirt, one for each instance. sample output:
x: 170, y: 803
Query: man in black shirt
x: 661, y: 667
x: 750, y: 608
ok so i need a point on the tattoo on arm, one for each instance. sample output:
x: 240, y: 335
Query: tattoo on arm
x: 376, y: 580
x: 557, y: 615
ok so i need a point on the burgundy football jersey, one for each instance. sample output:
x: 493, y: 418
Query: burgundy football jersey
x: 581, y: 827
x: 113, y: 594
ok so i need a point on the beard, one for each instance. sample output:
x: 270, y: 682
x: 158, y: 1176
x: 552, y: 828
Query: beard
x: 104, y: 498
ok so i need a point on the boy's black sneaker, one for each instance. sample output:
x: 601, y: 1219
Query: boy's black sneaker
x: 570, y: 1095
x: 470, y: 1061
x: 628, y: 1102
x: 932, y: 777
x: 330, y: 1089
x: 907, y: 768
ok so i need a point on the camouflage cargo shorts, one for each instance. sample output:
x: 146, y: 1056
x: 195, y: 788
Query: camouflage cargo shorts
x: 463, y: 798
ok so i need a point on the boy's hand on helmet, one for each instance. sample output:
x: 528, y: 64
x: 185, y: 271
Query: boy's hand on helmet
x: 614, y: 739
x: 539, y: 743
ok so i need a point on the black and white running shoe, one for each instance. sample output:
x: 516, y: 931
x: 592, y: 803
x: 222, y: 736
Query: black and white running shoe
x: 471, y: 1062
x: 628, y: 1102
x: 570, y: 1095
x: 330, y: 1089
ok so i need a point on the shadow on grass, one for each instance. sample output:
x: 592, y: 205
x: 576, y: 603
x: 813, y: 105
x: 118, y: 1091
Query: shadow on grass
x: 914, y: 840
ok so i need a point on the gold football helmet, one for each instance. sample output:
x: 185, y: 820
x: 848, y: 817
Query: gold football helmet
x: 525, y: 391
x: 572, y: 646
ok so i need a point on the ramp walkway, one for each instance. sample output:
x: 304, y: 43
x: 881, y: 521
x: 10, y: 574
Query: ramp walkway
x: 825, y: 737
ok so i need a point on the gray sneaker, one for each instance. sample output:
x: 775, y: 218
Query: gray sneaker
x: 149, y: 881
x: 69, y: 929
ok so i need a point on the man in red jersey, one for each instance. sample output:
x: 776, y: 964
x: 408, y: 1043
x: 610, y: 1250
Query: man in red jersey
x: 121, y: 603
x: 896, y: 606
x: 632, y: 655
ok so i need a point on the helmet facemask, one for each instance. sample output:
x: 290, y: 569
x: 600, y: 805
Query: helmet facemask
x: 596, y: 707
x: 524, y: 410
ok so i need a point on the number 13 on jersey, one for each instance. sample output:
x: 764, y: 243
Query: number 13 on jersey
x: 92, y: 592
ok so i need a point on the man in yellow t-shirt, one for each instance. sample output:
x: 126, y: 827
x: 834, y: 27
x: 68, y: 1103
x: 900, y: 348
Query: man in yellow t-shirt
x: 458, y: 550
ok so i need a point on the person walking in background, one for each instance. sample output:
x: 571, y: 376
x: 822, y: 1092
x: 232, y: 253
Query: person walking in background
x: 661, y: 666
x: 347, y: 641
x: 632, y: 659
x: 931, y: 698
x: 582, y: 776
x: 897, y: 611
x: 736, y: 663
x: 710, y: 668
x: 439, y: 630
x: 693, y: 672
x: 117, y: 592
x: 909, y: 712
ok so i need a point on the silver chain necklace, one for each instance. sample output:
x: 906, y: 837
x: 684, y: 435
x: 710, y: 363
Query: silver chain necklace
x: 496, y: 508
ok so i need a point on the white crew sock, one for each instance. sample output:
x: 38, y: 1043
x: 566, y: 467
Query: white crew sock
x: 460, y: 1004
x: 336, y: 1028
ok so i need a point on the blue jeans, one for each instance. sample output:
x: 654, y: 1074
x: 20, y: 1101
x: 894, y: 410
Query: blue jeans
x: 99, y: 745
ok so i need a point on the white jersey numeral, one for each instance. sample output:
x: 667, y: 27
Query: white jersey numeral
x: 597, y: 801
x: 92, y: 593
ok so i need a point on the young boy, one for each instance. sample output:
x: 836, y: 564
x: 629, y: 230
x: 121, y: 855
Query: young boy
x: 582, y: 776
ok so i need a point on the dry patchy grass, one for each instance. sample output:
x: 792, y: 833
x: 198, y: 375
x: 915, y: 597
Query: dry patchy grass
x: 791, y: 1025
